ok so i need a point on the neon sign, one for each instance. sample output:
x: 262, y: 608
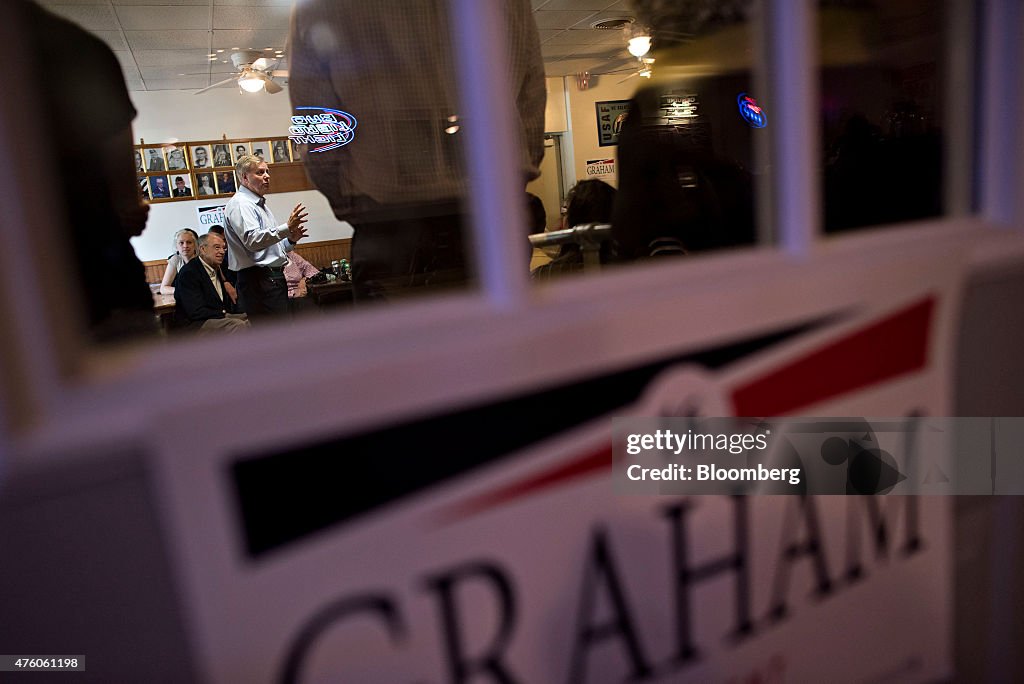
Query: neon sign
x: 329, y: 129
x: 751, y: 111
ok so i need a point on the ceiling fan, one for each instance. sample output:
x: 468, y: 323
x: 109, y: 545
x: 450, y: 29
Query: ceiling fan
x: 643, y: 69
x: 255, y: 73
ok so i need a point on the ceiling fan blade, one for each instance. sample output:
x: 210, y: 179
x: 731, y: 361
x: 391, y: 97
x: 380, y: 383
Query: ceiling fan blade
x: 233, y: 79
x: 262, y: 64
x: 635, y: 73
x: 268, y: 83
x: 279, y: 73
x: 270, y: 86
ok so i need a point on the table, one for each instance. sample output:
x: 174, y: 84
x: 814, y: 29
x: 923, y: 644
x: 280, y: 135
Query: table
x: 163, y: 307
x: 163, y: 304
x: 337, y: 293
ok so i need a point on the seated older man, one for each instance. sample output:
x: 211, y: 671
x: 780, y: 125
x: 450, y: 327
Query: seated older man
x: 201, y: 302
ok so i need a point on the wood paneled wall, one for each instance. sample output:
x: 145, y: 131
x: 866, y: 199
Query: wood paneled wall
x: 320, y: 254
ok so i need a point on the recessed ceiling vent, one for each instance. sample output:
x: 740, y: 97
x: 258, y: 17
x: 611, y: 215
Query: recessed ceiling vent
x: 612, y: 23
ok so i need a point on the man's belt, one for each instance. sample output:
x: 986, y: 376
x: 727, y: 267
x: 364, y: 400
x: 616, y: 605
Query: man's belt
x: 269, y: 270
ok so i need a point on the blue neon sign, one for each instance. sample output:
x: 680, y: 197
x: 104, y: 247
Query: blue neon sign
x: 329, y: 129
x: 751, y: 111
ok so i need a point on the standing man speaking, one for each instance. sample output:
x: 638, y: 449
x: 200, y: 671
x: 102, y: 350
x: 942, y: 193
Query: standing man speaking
x: 257, y: 245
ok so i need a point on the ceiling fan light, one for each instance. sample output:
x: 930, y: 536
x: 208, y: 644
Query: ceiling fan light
x: 250, y: 84
x: 639, y: 45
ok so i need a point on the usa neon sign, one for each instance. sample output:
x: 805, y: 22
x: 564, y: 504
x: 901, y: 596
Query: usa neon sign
x: 328, y: 129
x: 751, y: 111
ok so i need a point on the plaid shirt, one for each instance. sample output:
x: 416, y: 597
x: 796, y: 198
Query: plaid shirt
x: 389, y: 64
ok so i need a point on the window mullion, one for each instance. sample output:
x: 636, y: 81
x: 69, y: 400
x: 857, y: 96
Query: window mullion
x: 791, y: 39
x: 492, y: 153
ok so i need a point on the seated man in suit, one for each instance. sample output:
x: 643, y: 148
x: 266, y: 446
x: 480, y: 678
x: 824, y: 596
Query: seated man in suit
x: 199, y: 294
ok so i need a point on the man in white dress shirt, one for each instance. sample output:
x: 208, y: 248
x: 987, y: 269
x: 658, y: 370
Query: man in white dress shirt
x: 257, y: 245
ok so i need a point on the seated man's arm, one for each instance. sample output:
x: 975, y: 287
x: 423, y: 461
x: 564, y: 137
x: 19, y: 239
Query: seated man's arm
x: 307, y: 269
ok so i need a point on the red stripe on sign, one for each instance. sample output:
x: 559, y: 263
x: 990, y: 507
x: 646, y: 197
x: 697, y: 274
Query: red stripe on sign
x: 579, y: 467
x: 894, y: 346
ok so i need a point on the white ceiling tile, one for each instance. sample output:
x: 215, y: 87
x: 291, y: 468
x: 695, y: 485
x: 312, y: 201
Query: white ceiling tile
x: 602, y: 16
x: 577, y: 37
x: 168, y: 40
x: 259, y: 3
x: 228, y: 17
x: 168, y: 37
x: 245, y: 39
x: 50, y: 4
x: 556, y: 19
x: 566, y: 67
x: 600, y: 52
x: 610, y: 36
x: 578, y: 5
x: 89, y: 17
x: 154, y: 3
x: 112, y: 38
x: 128, y: 66
x: 179, y: 83
x: 146, y: 58
x: 229, y: 85
x: 222, y: 67
x: 558, y: 51
x: 151, y: 73
x: 163, y: 18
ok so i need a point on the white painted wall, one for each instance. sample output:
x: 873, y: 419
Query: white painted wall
x: 169, y: 115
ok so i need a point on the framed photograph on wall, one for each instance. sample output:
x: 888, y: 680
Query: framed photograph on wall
x: 159, y: 188
x: 182, y: 185
x: 225, y: 182
x: 296, y: 156
x: 176, y: 159
x: 610, y: 117
x: 238, y: 150
x: 201, y: 156
x: 153, y: 157
x: 279, y: 151
x: 261, y: 149
x: 139, y: 166
x: 205, y: 184
x: 144, y: 186
x: 222, y: 155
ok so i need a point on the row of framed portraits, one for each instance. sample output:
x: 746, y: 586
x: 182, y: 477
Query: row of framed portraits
x: 189, y: 170
x: 187, y: 185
